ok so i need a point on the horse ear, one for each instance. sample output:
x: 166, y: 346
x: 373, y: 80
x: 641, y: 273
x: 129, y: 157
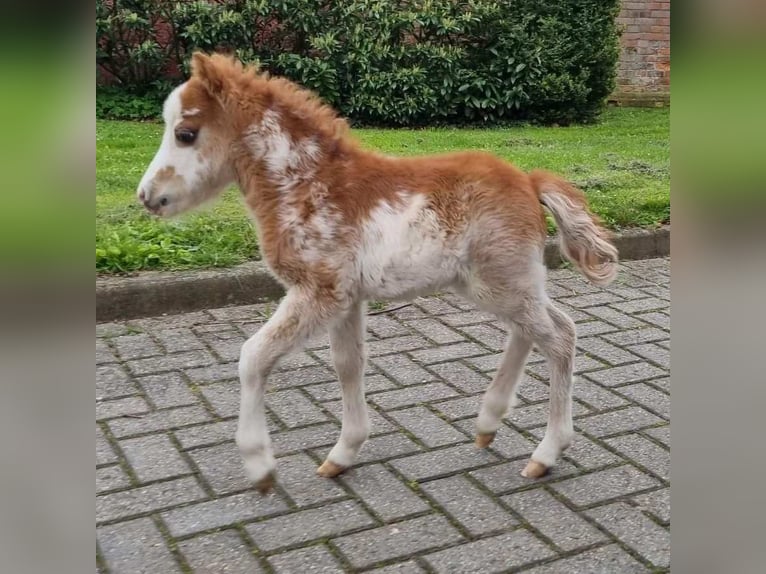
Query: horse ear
x: 208, y: 70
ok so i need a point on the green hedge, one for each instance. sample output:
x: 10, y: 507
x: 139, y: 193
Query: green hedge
x: 378, y: 62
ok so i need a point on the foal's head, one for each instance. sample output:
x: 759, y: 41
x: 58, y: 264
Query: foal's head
x: 194, y: 162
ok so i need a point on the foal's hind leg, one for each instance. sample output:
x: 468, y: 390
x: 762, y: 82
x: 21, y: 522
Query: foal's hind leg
x: 348, y: 355
x: 554, y: 334
x: 501, y: 392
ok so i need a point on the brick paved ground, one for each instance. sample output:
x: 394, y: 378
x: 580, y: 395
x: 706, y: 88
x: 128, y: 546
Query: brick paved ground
x: 171, y: 491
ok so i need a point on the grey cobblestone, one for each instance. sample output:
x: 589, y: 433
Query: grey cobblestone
x: 307, y: 525
x: 495, y: 554
x: 384, y: 493
x: 471, y: 507
x: 311, y: 560
x: 395, y: 540
x: 172, y: 493
x: 220, y: 553
x: 554, y: 519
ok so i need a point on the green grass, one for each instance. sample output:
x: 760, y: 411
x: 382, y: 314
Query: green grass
x: 622, y: 164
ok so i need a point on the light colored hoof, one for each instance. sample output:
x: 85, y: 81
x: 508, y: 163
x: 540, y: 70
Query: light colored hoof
x: 329, y: 469
x: 266, y: 484
x: 483, y: 440
x: 534, y: 469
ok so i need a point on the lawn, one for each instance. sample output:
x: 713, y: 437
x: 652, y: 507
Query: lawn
x: 622, y: 164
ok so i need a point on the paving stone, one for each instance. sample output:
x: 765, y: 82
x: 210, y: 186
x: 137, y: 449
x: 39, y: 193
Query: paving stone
x: 636, y: 336
x: 466, y: 318
x: 648, y: 397
x: 213, y: 373
x: 383, y: 326
x: 383, y: 493
x: 382, y: 448
x: 504, y: 478
x: 104, y: 452
x: 378, y: 424
x: 153, y: 457
x: 492, y: 338
x: 206, y: 434
x: 280, y: 380
x: 179, y: 339
x: 171, y: 321
x: 613, y: 422
x: 219, y: 553
x: 484, y: 363
x: 397, y: 345
x: 639, y: 305
x: 461, y: 377
x: 149, y: 498
x: 226, y: 344
x: 508, y: 443
x: 628, y: 293
x: 604, y: 484
x: 395, y: 540
x: 587, y: 454
x: 311, y: 560
x: 403, y: 369
x: 435, y: 306
x: 407, y: 313
x: 633, y: 528
x: 467, y: 504
x: 615, y: 317
x: 658, y: 319
x: 120, y: 407
x: 167, y: 390
x: 158, y: 420
x: 408, y: 567
x: 592, y: 328
x: 294, y: 409
x: 112, y: 382
x: 103, y: 353
x: 496, y: 554
x: 656, y: 354
x: 459, y: 408
x: 333, y: 391
x: 135, y: 346
x: 592, y: 299
x: 605, y: 351
x: 297, y: 477
x: 644, y: 452
x: 595, y: 396
x: 305, y: 438
x: 532, y: 390
x: 565, y: 528
x: 185, y: 360
x: 661, y: 434
x: 412, y: 395
x: 656, y: 503
x: 244, y: 312
x: 442, y: 462
x: 427, y: 427
x: 438, y: 332
x: 577, y: 315
x: 135, y: 547
x: 657, y: 291
x: 307, y: 525
x: 582, y: 363
x: 604, y: 560
x: 222, y: 468
x: 221, y: 512
x: 626, y: 374
x: 111, y: 478
x: 448, y: 352
x: 111, y: 329
x: 224, y: 398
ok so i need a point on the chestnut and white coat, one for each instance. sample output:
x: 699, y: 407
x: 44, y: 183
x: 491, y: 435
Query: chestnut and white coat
x: 339, y: 225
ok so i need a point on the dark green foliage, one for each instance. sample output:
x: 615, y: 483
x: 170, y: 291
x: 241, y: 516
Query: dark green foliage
x: 380, y: 62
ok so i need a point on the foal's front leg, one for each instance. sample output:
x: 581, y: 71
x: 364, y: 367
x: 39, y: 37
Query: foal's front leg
x: 297, y: 317
x: 348, y: 355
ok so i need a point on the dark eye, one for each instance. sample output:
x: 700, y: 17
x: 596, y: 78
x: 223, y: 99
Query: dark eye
x: 186, y: 136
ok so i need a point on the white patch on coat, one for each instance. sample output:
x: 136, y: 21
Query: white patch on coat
x: 405, y: 252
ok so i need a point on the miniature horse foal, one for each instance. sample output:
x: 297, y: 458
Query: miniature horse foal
x: 339, y: 225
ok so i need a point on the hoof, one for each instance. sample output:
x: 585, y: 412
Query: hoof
x: 534, y: 469
x: 266, y: 484
x: 483, y: 440
x: 329, y: 469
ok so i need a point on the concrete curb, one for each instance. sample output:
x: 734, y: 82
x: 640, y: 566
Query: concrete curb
x: 157, y: 293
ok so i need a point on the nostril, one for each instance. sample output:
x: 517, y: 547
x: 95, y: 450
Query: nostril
x: 163, y: 201
x: 142, y: 195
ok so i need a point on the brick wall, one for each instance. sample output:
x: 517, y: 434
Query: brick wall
x: 643, y: 75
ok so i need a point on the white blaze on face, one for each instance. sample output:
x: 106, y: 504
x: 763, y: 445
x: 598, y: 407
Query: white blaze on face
x: 182, y: 176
